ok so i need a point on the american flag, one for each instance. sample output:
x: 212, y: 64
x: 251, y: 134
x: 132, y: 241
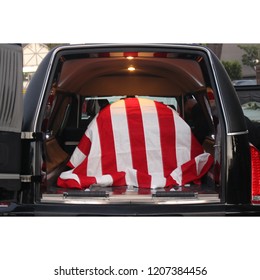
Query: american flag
x: 136, y: 142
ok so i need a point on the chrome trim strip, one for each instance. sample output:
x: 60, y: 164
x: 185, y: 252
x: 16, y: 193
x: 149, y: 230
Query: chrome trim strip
x: 217, y: 86
x: 129, y: 198
x: 26, y: 178
x: 237, y: 133
x: 5, y: 176
x: 27, y: 135
x: 44, y: 86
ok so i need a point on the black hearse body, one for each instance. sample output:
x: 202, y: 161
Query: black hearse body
x: 37, y: 141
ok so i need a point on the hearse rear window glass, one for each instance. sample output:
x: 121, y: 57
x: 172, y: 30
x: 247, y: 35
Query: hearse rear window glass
x: 92, y: 105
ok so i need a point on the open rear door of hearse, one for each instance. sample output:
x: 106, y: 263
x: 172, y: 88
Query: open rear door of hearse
x: 11, y: 113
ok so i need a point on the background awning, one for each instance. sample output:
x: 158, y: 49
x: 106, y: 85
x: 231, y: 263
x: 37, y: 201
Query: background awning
x: 11, y: 98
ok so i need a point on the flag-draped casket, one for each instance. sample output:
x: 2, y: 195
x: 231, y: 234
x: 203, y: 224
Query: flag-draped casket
x: 136, y: 142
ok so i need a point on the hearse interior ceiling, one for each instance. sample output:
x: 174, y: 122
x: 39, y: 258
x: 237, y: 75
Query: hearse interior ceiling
x: 110, y: 76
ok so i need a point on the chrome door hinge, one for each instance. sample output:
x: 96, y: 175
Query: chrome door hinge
x: 31, y: 178
x: 32, y: 136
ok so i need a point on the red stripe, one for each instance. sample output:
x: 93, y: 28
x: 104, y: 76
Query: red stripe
x: 84, y: 145
x: 69, y: 164
x: 137, y: 140
x: 119, y: 179
x: 170, y: 182
x: 189, y: 171
x: 82, y: 168
x: 69, y: 183
x: 144, y: 180
x: 85, y: 181
x: 108, y: 152
x: 167, y: 137
x: 80, y: 171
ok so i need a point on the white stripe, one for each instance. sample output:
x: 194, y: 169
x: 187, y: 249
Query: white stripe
x: 104, y: 181
x: 183, y: 140
x: 177, y: 175
x: 201, y: 160
x: 77, y: 157
x: 121, y: 136
x: 94, y: 167
x: 131, y: 177
x: 68, y: 175
x: 152, y: 136
x: 158, y: 181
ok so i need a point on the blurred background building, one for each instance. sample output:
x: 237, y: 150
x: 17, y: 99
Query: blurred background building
x: 33, y: 54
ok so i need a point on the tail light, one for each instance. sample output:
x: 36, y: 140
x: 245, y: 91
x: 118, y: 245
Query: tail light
x: 255, y: 174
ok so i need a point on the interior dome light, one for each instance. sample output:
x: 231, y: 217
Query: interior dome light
x: 131, y: 68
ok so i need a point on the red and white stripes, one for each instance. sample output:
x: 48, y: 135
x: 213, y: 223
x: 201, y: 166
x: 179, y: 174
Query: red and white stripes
x: 136, y: 142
